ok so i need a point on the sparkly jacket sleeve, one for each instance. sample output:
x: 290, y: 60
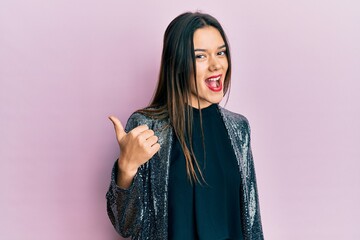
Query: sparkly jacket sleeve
x: 124, y: 206
x: 256, y: 231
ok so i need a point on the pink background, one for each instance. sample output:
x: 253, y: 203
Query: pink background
x: 66, y: 65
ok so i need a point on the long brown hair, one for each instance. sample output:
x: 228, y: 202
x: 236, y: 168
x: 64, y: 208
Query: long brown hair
x: 174, y: 85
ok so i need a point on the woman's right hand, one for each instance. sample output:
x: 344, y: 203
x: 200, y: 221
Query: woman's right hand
x: 136, y: 147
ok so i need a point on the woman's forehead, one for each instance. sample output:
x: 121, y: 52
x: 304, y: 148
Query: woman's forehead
x: 208, y: 38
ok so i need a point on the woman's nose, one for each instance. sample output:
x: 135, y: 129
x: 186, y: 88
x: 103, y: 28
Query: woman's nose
x: 214, y: 64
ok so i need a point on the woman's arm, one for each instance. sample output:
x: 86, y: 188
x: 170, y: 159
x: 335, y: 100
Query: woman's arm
x: 125, y: 194
x: 254, y: 207
x: 124, y: 205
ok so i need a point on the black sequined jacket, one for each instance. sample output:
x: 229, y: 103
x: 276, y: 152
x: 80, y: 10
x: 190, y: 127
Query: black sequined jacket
x: 140, y: 212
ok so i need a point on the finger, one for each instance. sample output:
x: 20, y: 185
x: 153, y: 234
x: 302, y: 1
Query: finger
x: 139, y: 129
x: 155, y: 148
x: 146, y: 134
x: 152, y: 140
x: 119, y: 129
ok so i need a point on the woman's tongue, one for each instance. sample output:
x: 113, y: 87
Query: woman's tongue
x: 212, y: 84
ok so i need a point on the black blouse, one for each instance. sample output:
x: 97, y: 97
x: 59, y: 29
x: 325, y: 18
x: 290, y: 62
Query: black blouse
x: 209, y: 211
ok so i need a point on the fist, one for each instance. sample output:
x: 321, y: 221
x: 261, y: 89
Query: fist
x: 136, y: 147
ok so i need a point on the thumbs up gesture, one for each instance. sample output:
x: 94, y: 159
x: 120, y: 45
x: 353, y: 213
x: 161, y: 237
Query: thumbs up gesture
x: 136, y: 147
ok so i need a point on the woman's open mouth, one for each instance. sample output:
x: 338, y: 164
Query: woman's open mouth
x: 214, y: 83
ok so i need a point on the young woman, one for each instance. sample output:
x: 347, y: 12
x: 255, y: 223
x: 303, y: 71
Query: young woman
x: 185, y: 169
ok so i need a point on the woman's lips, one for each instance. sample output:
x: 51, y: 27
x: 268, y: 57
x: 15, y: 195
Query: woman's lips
x: 214, y: 83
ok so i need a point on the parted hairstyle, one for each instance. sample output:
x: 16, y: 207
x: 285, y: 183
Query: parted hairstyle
x: 173, y: 89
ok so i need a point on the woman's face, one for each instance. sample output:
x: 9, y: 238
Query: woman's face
x: 211, y: 67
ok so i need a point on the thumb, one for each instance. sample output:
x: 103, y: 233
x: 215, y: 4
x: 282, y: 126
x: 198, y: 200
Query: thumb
x: 119, y: 129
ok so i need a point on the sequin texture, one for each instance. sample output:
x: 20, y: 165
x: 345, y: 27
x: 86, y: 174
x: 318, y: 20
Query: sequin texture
x: 140, y: 212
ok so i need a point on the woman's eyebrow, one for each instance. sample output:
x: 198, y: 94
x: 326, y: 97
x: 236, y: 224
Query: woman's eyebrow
x: 204, y: 50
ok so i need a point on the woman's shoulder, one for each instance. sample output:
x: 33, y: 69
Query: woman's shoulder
x: 143, y: 117
x: 233, y: 115
x: 235, y: 118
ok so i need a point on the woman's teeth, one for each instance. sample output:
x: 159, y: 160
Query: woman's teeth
x: 214, y: 84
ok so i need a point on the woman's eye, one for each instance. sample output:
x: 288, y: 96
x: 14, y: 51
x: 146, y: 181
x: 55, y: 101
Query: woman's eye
x: 200, y: 56
x: 222, y: 53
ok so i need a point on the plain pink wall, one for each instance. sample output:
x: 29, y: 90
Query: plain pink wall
x: 66, y: 65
